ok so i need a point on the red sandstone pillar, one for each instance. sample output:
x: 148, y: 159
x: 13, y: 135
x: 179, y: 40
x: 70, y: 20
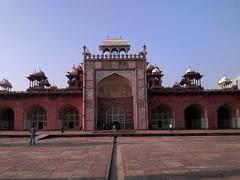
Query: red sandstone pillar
x: 212, y: 118
x: 179, y: 117
x: 18, y: 117
x: 51, y: 118
x: 80, y: 110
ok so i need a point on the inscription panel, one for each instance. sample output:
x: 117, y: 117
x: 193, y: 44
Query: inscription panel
x: 89, y: 84
x: 140, y: 74
x: 141, y: 93
x: 89, y: 94
x: 90, y: 75
x: 98, y: 65
x: 115, y: 65
x: 141, y: 83
x: 132, y: 64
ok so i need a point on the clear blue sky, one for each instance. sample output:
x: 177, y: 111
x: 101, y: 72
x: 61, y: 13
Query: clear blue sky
x: 203, y: 34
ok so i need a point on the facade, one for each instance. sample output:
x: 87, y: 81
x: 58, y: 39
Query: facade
x: 115, y: 89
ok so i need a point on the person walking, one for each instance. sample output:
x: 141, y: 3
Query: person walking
x: 32, y: 131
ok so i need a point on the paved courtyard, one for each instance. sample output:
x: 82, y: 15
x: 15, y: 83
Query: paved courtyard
x: 60, y: 158
x: 181, y: 157
x: 189, y: 157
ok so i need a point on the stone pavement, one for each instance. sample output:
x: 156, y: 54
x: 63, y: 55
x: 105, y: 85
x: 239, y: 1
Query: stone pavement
x: 180, y: 157
x: 189, y: 157
x: 61, y: 158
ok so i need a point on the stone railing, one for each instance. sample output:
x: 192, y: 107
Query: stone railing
x: 118, y: 57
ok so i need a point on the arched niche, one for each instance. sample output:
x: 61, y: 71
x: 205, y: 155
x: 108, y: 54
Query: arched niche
x: 195, y: 117
x: 228, y: 116
x: 36, y: 115
x: 162, y: 117
x: 6, y: 118
x: 68, y: 118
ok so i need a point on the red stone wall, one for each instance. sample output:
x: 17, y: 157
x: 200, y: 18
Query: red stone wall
x: 179, y: 103
x: 52, y: 105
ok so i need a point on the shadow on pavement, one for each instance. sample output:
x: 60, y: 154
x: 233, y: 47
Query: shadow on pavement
x: 218, y: 174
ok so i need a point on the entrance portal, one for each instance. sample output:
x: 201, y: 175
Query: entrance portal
x: 115, y: 117
x: 114, y: 103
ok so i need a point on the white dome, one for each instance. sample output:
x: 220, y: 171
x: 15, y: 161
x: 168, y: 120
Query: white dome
x: 73, y: 71
x: 38, y: 72
x: 79, y: 67
x: 156, y: 71
x: 224, y: 79
x: 190, y: 70
x: 150, y: 67
x: 5, y: 83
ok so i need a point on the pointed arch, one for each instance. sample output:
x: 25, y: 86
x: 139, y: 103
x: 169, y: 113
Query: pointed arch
x: 228, y: 116
x: 6, y: 118
x: 114, y: 95
x: 114, y: 85
x: 36, y: 115
x: 195, y: 117
x: 68, y: 118
x: 162, y: 117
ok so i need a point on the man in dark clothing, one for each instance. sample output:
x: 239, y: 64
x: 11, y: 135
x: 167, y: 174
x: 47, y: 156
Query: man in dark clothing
x: 32, y: 131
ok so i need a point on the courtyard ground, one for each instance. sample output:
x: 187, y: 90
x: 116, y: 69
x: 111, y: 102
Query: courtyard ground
x: 157, y: 157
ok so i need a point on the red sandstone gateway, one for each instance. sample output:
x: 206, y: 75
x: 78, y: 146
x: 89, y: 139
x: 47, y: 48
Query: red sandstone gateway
x: 120, y: 90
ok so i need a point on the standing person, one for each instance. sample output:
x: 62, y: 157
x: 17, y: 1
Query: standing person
x: 32, y: 131
x: 62, y: 129
x: 170, y: 126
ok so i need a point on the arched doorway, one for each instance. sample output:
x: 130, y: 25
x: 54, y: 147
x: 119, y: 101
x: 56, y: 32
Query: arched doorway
x: 68, y: 118
x: 36, y: 116
x: 114, y: 103
x: 228, y: 117
x: 6, y: 118
x: 195, y: 117
x: 162, y: 117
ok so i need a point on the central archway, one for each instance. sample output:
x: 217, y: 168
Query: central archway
x: 114, y: 103
x: 115, y: 116
x: 195, y: 117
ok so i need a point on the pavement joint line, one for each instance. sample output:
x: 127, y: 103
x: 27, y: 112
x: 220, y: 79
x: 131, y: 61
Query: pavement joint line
x: 112, y: 174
